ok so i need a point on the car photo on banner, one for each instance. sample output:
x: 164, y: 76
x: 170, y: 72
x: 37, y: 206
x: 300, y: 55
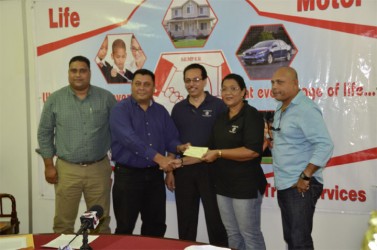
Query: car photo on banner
x: 267, y: 51
x: 264, y: 49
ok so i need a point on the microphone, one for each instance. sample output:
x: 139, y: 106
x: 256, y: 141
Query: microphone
x: 90, y: 219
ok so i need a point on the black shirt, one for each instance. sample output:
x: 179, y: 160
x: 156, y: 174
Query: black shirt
x: 239, y: 179
x: 195, y: 124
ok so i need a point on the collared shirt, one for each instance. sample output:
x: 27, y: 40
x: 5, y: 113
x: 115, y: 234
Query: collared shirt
x: 195, y: 124
x: 73, y: 129
x: 125, y: 76
x: 132, y: 66
x: 239, y: 179
x: 98, y: 60
x: 118, y: 69
x: 303, y: 138
x: 138, y: 135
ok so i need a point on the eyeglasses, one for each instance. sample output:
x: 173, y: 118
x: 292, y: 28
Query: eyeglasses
x: 193, y: 80
x: 278, y: 128
x: 230, y: 89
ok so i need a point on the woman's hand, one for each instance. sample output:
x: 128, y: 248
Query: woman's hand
x: 210, y: 156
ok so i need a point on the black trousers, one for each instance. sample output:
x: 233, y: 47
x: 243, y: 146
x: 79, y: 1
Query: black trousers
x: 192, y: 184
x: 139, y: 191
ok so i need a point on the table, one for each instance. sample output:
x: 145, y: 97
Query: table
x: 134, y: 242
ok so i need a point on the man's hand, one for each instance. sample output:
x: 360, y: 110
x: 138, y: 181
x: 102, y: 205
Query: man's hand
x: 182, y: 148
x: 176, y: 163
x: 51, y: 175
x: 165, y: 163
x: 170, y: 181
x: 302, y: 185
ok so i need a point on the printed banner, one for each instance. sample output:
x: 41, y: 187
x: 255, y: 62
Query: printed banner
x: 331, y: 44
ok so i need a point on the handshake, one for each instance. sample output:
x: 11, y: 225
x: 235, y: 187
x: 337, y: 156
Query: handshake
x: 173, y: 164
x: 168, y: 163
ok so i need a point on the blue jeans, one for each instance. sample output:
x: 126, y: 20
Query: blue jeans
x: 297, y: 213
x: 242, y: 221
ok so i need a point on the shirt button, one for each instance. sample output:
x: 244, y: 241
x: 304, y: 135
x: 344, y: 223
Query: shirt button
x: 137, y: 153
x: 150, y: 144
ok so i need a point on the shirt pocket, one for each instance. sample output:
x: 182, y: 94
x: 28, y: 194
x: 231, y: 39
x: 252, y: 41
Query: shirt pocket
x: 99, y: 116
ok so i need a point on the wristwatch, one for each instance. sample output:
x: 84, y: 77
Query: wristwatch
x: 304, y: 177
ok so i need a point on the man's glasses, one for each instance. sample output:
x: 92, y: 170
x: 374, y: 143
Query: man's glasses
x: 278, y: 128
x: 230, y: 89
x: 193, y: 80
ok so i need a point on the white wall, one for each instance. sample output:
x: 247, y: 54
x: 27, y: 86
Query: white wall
x: 14, y: 144
x: 19, y: 164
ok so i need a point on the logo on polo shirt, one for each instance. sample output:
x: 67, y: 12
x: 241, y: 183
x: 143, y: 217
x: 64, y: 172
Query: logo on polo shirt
x: 234, y: 129
x: 207, y: 113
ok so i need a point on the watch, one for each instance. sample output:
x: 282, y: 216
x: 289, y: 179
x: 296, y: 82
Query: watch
x: 304, y: 177
x: 219, y: 154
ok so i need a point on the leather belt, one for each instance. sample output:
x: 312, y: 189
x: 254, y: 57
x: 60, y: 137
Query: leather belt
x: 121, y: 166
x: 86, y: 163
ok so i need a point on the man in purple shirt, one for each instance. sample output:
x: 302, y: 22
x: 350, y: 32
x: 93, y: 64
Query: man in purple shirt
x: 142, y: 134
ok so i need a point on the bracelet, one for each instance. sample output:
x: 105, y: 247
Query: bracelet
x: 181, y: 162
x: 219, y: 154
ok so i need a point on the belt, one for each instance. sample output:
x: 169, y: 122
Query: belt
x: 86, y: 163
x: 120, y: 166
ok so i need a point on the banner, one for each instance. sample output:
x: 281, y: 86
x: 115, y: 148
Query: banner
x: 331, y: 44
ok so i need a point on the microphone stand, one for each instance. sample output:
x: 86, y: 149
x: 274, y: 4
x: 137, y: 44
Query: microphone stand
x: 85, y: 245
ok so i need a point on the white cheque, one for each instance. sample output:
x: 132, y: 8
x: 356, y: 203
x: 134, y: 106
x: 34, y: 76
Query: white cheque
x: 196, y: 152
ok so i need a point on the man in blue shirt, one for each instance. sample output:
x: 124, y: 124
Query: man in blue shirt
x: 301, y: 149
x: 142, y: 133
x: 194, y: 118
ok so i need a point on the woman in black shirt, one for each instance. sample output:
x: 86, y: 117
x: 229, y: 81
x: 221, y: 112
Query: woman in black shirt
x: 236, y: 148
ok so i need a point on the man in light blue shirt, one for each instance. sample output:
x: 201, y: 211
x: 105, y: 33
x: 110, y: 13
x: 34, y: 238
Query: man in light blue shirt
x: 301, y: 149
